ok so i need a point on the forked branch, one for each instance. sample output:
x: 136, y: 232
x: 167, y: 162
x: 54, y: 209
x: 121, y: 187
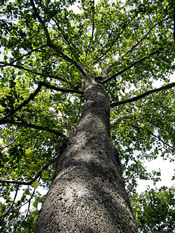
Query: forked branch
x: 31, y: 97
x: 93, y: 19
x: 116, y: 39
x: 27, y: 54
x: 52, y: 45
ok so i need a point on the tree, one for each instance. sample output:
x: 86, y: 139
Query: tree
x: 75, y: 77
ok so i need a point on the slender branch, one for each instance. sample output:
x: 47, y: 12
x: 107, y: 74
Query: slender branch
x: 146, y: 34
x: 32, y: 180
x: 93, y: 26
x: 133, y: 64
x: 93, y: 19
x: 24, y: 55
x: 61, y: 89
x: 16, y: 192
x: 53, y: 46
x: 135, y: 46
x: 5, y: 119
x: 65, y: 38
x: 60, y: 29
x: 149, y: 131
x: 166, y: 87
x: 131, y: 116
x: 33, y: 72
x: 116, y: 39
x: 31, y: 97
x: 121, y: 118
x: 29, y: 125
x: 69, y: 59
x: 41, y: 21
x: 11, y: 143
x: 28, y: 209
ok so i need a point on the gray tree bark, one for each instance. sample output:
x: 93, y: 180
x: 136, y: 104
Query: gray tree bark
x: 87, y: 194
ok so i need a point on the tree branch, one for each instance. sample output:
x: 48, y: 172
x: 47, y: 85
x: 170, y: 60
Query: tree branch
x: 24, y: 55
x: 32, y: 180
x: 116, y: 39
x: 69, y: 59
x: 174, y: 22
x: 31, y: 97
x: 166, y: 87
x: 133, y: 64
x: 93, y: 20
x: 16, y: 192
x: 53, y: 46
x: 33, y: 72
x: 29, y: 125
x: 5, y: 120
x: 121, y: 118
x: 131, y: 116
x: 61, y: 89
x: 135, y: 46
x: 65, y: 38
x: 139, y: 128
x: 41, y: 21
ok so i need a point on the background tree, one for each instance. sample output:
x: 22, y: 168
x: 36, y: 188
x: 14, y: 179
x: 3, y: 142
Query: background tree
x: 50, y: 51
x: 154, y: 210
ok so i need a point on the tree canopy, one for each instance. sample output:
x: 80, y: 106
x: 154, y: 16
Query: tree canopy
x: 154, y: 210
x: 46, y: 48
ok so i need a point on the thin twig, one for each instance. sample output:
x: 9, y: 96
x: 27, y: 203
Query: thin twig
x: 53, y: 46
x: 31, y: 97
x: 41, y: 21
x: 29, y: 125
x: 93, y: 21
x: 24, y: 55
x: 65, y: 38
x: 32, y: 180
x: 68, y: 58
x: 149, y: 131
x: 28, y: 209
x: 10, y: 143
x: 16, y: 192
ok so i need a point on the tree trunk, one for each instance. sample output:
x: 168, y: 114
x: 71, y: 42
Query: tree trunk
x: 87, y: 194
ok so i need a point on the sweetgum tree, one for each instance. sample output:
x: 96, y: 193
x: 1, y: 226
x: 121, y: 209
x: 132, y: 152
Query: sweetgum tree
x: 79, y: 110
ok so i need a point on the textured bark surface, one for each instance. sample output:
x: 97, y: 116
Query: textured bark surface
x: 87, y: 194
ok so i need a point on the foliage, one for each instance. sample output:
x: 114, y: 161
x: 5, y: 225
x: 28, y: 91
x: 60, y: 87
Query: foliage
x: 154, y: 210
x: 47, y: 47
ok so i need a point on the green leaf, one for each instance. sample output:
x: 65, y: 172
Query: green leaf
x: 29, y: 153
x: 35, y: 184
